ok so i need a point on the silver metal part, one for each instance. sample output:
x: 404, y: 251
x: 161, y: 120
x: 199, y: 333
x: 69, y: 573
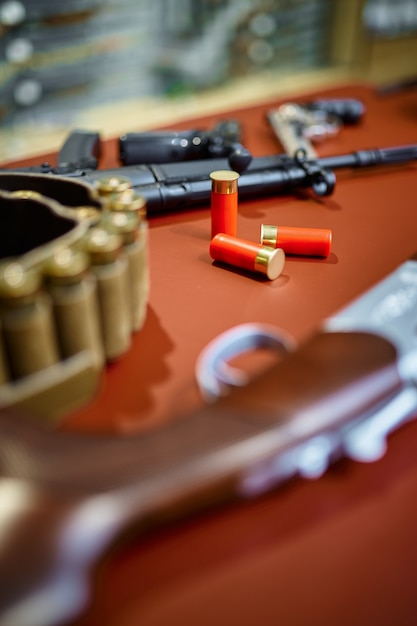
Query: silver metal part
x: 215, y: 376
x: 367, y: 441
x: 388, y: 309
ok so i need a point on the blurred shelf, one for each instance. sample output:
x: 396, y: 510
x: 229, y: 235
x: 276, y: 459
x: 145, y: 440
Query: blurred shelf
x: 135, y: 115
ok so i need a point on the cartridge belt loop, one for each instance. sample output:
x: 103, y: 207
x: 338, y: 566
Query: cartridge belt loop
x: 54, y: 319
x: 127, y: 216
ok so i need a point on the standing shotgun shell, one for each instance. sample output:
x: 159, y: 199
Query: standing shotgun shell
x: 224, y: 202
x: 300, y: 241
x: 247, y: 255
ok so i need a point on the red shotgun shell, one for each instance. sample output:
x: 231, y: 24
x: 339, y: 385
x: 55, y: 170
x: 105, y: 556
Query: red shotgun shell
x: 224, y: 202
x: 247, y: 255
x: 293, y: 240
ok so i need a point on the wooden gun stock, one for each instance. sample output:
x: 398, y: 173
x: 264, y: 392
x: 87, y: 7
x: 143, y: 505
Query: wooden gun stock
x: 64, y: 498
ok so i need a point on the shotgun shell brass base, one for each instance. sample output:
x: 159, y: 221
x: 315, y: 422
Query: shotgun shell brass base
x: 270, y: 262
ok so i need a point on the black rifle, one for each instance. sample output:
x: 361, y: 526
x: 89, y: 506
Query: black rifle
x: 176, y: 186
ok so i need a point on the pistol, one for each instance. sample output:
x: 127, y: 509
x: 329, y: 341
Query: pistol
x: 299, y: 126
x: 340, y: 393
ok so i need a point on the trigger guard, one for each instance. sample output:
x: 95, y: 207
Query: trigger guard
x: 215, y: 376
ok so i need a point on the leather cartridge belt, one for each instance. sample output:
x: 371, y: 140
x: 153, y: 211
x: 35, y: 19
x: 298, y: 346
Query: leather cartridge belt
x: 74, y: 284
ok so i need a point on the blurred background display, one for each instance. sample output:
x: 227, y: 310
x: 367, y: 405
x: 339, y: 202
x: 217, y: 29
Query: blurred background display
x: 60, y: 58
x: 57, y: 57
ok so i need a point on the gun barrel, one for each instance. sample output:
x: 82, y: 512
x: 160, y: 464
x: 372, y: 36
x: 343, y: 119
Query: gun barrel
x: 369, y: 158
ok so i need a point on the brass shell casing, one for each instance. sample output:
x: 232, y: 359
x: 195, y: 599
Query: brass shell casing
x: 128, y: 200
x: 110, y: 266
x: 102, y: 246
x: 270, y: 261
x: 4, y: 367
x: 124, y: 223
x: 269, y: 235
x: 18, y: 284
x: 27, y: 321
x: 73, y: 291
x: 224, y: 181
x: 107, y: 186
x: 29, y: 335
x: 134, y: 233
x: 28, y: 328
x: 66, y: 266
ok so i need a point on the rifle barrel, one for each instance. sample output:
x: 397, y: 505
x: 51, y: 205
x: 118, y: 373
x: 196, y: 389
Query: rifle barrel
x: 369, y: 158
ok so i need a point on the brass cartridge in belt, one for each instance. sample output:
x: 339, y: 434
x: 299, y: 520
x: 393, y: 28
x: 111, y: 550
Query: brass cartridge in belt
x: 4, y: 368
x: 106, y: 187
x: 128, y: 200
x: 73, y: 289
x: 110, y: 266
x: 27, y: 321
x: 128, y: 216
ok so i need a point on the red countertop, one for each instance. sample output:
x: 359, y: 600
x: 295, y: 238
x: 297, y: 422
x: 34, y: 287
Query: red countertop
x: 339, y: 550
